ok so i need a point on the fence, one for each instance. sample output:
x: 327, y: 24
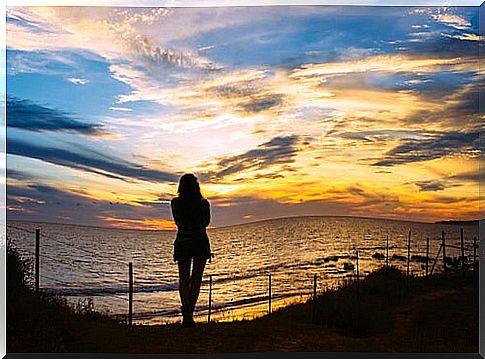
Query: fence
x: 38, y: 255
x: 447, y: 263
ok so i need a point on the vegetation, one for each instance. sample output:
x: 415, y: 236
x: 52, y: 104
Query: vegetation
x: 368, y: 308
x: 385, y: 312
x: 41, y: 322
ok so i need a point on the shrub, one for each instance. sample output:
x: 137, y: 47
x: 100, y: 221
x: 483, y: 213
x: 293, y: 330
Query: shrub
x: 360, y: 309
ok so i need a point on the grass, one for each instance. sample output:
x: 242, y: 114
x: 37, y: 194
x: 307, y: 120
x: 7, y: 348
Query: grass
x: 40, y: 322
x: 382, y: 313
x: 359, y: 309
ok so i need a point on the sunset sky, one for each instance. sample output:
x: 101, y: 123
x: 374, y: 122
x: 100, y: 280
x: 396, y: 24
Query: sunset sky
x: 280, y: 111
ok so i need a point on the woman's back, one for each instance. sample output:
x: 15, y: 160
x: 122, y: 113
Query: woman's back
x: 190, y: 214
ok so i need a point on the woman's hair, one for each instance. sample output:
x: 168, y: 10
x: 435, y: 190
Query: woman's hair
x: 189, y: 188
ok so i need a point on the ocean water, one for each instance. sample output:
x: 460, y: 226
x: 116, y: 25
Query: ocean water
x: 82, y: 262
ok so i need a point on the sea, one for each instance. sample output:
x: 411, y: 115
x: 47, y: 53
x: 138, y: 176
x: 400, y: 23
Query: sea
x: 89, y: 266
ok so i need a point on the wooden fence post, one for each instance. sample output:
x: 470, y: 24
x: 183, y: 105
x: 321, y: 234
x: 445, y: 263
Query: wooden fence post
x: 435, y: 259
x: 314, y: 297
x: 462, y: 242
x: 387, y: 251
x: 130, y: 293
x: 444, y: 249
x: 269, y: 295
x: 474, y: 252
x: 37, y: 259
x: 210, y: 300
x: 357, y: 255
x: 427, y: 255
x: 409, y: 253
x: 358, y: 289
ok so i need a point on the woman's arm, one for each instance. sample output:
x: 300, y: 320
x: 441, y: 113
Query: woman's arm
x: 175, y: 215
x: 206, y: 213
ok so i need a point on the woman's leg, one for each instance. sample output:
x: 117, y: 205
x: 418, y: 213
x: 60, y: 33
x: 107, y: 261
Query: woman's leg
x: 196, y: 281
x: 184, y: 285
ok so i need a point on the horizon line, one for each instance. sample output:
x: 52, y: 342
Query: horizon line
x: 247, y: 223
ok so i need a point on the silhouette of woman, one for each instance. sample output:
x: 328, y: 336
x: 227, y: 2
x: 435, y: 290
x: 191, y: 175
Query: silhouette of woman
x: 191, y: 213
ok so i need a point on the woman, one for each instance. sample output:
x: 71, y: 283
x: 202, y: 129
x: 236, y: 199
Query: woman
x: 191, y: 213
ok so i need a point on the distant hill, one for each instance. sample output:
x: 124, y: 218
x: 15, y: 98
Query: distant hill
x: 461, y: 223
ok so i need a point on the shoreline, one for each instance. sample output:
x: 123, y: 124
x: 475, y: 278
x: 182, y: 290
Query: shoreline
x: 227, y: 314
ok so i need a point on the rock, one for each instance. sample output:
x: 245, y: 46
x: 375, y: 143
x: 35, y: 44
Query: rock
x: 398, y: 257
x: 378, y: 255
x: 348, y: 266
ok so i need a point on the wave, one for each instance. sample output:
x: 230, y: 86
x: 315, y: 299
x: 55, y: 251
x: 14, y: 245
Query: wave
x: 104, y: 291
x: 287, y: 269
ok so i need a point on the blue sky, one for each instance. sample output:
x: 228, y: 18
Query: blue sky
x: 280, y: 111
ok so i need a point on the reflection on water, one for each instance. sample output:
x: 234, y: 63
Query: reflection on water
x: 78, y: 261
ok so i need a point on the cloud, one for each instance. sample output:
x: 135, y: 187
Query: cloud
x: 158, y: 59
x: 449, y: 200
x: 457, y: 110
x: 262, y: 103
x: 42, y: 202
x: 448, y: 182
x: 117, y: 35
x: 43, y: 188
x: 419, y: 113
x: 430, y: 186
x: 473, y: 176
x: 156, y: 203
x: 77, y: 81
x: 89, y: 160
x: 224, y: 91
x: 373, y: 136
x: 45, y: 62
x: 27, y: 115
x: 465, y: 37
x: 230, y: 211
x: 143, y: 223
x: 452, y: 20
x: 123, y: 109
x: 284, y: 95
x: 31, y: 196
x: 279, y: 150
x: 423, y: 36
x: 352, y: 200
x: 390, y: 63
x: 429, y: 149
x: 18, y: 175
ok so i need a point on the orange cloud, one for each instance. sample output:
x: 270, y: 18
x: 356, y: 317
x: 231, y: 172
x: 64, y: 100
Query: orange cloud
x: 143, y: 224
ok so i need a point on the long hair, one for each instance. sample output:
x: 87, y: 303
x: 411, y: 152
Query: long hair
x: 189, y: 189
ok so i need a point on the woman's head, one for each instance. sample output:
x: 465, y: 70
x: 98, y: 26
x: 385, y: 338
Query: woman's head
x: 189, y: 187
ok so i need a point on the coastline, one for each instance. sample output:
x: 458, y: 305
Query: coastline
x: 407, y: 323
x: 248, y: 311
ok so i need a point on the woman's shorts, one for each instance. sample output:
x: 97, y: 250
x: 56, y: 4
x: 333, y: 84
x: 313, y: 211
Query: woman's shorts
x: 199, y: 249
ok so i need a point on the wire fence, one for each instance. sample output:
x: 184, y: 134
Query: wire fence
x: 265, y: 303
x: 67, y: 262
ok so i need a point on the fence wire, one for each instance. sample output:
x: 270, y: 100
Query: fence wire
x: 331, y: 281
